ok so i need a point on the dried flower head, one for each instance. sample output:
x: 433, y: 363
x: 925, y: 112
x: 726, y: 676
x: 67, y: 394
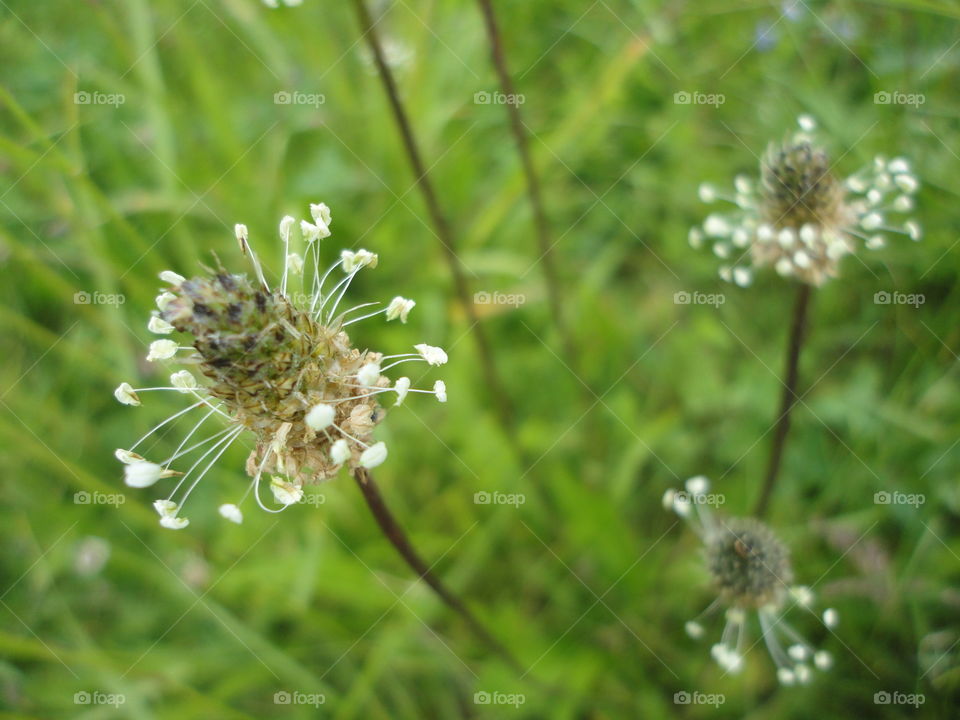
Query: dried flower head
x: 800, y: 218
x: 750, y: 571
x: 278, y: 369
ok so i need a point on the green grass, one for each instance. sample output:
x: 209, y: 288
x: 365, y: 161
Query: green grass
x: 590, y: 581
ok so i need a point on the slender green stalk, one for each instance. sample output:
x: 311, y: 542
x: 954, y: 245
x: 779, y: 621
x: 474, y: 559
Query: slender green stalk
x: 398, y: 538
x: 503, y: 406
x: 517, y: 128
x: 788, y: 398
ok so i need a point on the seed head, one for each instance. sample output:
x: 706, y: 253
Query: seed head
x: 284, y: 373
x: 750, y: 571
x: 748, y: 565
x: 799, y: 218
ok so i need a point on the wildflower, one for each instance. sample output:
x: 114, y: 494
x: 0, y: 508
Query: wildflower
x: 750, y: 570
x: 799, y: 218
x: 282, y: 373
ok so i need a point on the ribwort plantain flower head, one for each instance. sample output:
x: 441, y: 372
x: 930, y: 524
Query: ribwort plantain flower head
x: 750, y: 571
x: 276, y: 367
x: 800, y: 218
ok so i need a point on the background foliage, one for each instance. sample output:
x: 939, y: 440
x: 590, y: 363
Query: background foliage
x: 589, y: 581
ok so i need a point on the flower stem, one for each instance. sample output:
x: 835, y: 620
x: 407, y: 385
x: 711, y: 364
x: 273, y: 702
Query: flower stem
x: 398, y: 538
x: 495, y: 386
x: 551, y: 275
x: 789, y: 397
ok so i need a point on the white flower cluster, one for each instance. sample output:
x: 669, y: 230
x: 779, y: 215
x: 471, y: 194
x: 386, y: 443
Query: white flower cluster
x: 339, y: 424
x: 755, y: 564
x: 798, y: 219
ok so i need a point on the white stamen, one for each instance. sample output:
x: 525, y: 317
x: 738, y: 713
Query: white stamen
x: 368, y: 375
x: 172, y: 278
x: 126, y: 395
x: 433, y: 355
x: 162, y: 350
x: 141, y: 474
x: 399, y: 307
x: 373, y: 455
x: 320, y: 416
x: 402, y: 387
x: 340, y: 452
x: 231, y: 512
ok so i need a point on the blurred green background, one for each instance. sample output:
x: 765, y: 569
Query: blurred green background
x: 589, y: 582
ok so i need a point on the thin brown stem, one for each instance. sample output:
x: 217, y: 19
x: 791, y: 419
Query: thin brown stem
x: 517, y: 127
x: 398, y: 538
x: 789, y: 397
x: 441, y: 227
